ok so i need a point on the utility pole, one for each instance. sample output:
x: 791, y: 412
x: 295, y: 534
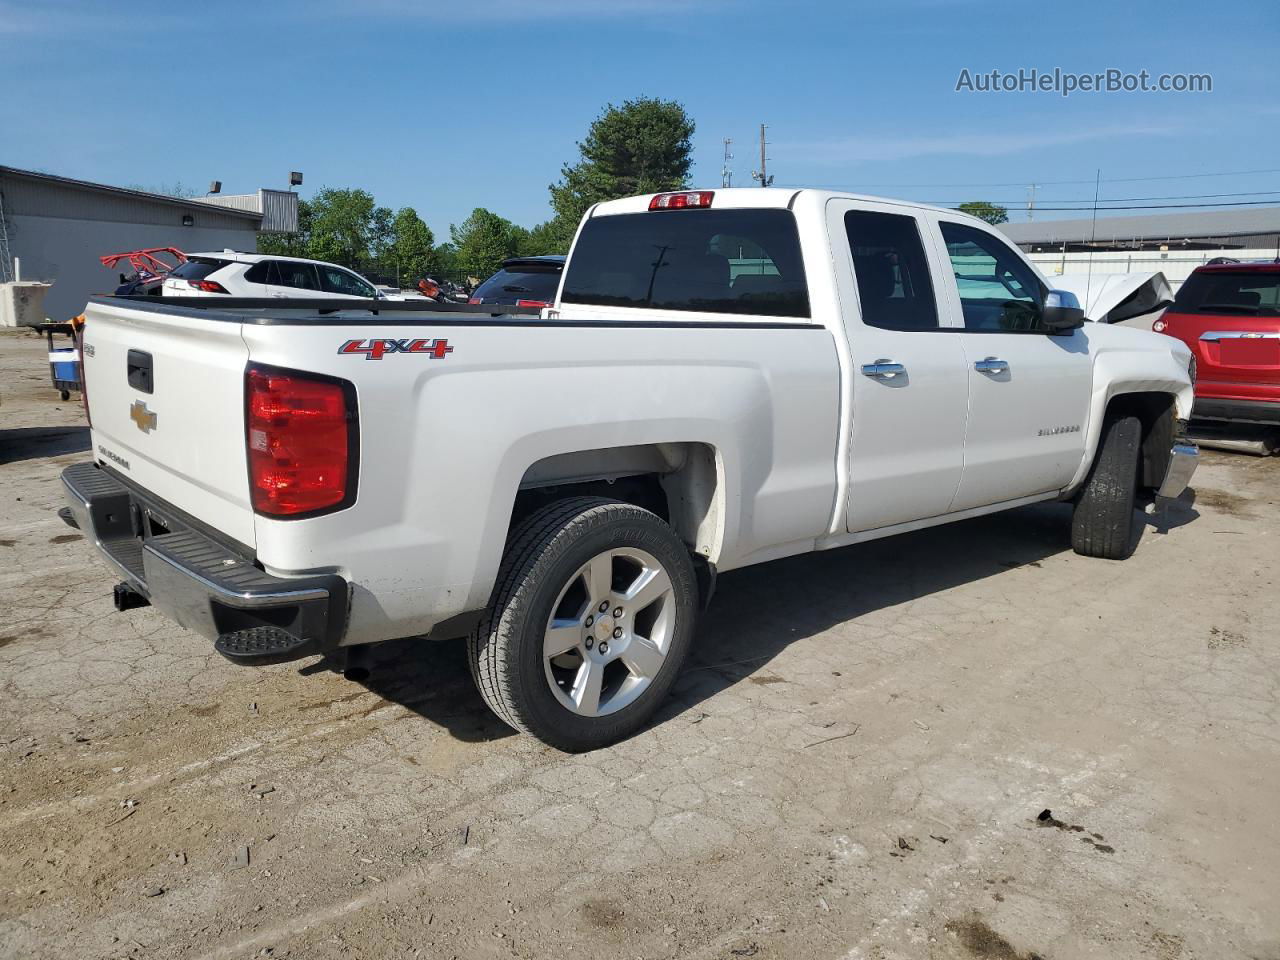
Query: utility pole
x: 1031, y: 202
x: 762, y: 174
x: 726, y: 175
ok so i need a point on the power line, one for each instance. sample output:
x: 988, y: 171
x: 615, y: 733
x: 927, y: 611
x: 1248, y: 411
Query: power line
x: 1189, y: 196
x: 1054, y: 183
x: 1152, y: 206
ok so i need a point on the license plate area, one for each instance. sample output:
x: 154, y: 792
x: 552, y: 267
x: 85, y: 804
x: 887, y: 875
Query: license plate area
x: 1249, y: 352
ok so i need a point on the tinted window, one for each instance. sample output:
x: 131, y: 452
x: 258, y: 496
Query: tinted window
x: 721, y: 261
x: 894, y: 288
x: 998, y: 291
x: 341, y: 283
x: 301, y: 276
x: 197, y: 268
x: 513, y: 285
x: 1246, y: 293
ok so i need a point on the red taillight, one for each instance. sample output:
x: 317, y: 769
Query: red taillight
x: 682, y: 201
x: 300, y: 435
x: 208, y: 286
x: 532, y: 303
x: 475, y: 300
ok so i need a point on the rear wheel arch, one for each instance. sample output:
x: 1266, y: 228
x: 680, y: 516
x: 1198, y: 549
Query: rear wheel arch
x: 682, y: 482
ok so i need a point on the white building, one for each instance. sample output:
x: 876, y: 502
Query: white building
x: 58, y: 228
x: 1172, y: 243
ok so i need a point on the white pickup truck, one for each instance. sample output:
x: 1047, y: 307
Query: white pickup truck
x: 725, y: 378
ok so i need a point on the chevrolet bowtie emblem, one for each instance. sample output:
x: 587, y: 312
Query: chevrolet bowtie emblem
x: 144, y: 418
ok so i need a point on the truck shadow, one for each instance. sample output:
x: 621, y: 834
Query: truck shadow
x: 759, y: 611
x: 432, y: 679
x: 30, y: 443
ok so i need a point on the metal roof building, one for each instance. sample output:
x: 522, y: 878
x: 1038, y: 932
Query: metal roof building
x: 59, y: 227
x: 1253, y: 228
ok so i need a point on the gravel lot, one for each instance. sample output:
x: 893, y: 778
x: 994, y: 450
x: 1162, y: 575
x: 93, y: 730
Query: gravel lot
x: 853, y: 765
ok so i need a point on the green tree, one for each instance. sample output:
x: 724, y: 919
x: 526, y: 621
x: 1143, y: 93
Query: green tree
x: 643, y: 146
x: 382, y: 232
x: 345, y: 226
x: 412, y: 247
x: 991, y: 212
x: 483, y: 241
x: 445, y: 261
x: 541, y: 240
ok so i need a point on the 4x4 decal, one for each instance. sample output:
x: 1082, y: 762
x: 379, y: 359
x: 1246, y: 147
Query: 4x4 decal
x: 377, y: 349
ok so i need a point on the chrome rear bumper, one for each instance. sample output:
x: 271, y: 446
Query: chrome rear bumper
x: 204, y: 583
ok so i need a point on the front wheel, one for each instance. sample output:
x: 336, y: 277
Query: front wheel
x: 591, y: 618
x: 1102, y: 523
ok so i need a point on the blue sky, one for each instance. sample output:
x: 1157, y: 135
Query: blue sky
x: 446, y: 107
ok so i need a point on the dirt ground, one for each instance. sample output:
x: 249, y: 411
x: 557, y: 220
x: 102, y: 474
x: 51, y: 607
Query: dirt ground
x: 854, y: 764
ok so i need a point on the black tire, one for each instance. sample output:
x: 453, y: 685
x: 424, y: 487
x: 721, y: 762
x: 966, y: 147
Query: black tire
x: 542, y: 555
x: 1102, y: 524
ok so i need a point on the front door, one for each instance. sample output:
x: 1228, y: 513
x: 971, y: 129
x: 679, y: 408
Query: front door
x: 1029, y: 388
x: 908, y: 381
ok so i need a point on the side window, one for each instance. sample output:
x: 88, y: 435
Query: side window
x: 259, y: 272
x: 337, y: 281
x: 300, y: 276
x: 894, y: 288
x: 998, y: 291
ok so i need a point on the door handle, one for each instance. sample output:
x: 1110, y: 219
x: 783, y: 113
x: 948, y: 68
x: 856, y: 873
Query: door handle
x: 991, y: 365
x: 883, y: 369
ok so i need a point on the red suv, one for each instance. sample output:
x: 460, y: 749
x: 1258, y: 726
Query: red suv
x: 1229, y: 315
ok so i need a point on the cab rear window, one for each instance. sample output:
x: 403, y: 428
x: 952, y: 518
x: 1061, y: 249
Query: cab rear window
x: 713, y: 261
x: 1247, y: 293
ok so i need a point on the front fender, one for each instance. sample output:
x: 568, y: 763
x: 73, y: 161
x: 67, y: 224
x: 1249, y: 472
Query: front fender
x: 1133, y: 362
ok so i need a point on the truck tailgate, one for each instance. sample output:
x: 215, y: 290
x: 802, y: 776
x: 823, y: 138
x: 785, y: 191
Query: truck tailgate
x: 166, y: 401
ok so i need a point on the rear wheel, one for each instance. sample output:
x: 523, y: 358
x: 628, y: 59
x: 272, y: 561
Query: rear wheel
x: 591, y: 617
x: 1102, y: 524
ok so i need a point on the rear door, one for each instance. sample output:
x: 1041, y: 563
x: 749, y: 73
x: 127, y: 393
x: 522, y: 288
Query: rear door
x: 289, y: 278
x: 909, y: 382
x: 1029, y: 388
x: 1231, y: 321
x: 166, y: 403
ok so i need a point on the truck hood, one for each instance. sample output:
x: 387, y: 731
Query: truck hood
x: 1101, y: 293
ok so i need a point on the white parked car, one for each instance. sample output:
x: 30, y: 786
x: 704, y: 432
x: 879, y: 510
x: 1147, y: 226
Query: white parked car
x: 265, y: 275
x: 724, y: 378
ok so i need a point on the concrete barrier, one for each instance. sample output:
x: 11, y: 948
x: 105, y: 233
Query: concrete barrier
x: 22, y: 303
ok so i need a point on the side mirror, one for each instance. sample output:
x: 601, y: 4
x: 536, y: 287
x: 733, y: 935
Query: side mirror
x: 1062, y: 311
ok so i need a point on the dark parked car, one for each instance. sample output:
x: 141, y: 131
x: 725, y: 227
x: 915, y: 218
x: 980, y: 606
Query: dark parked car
x: 523, y: 282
